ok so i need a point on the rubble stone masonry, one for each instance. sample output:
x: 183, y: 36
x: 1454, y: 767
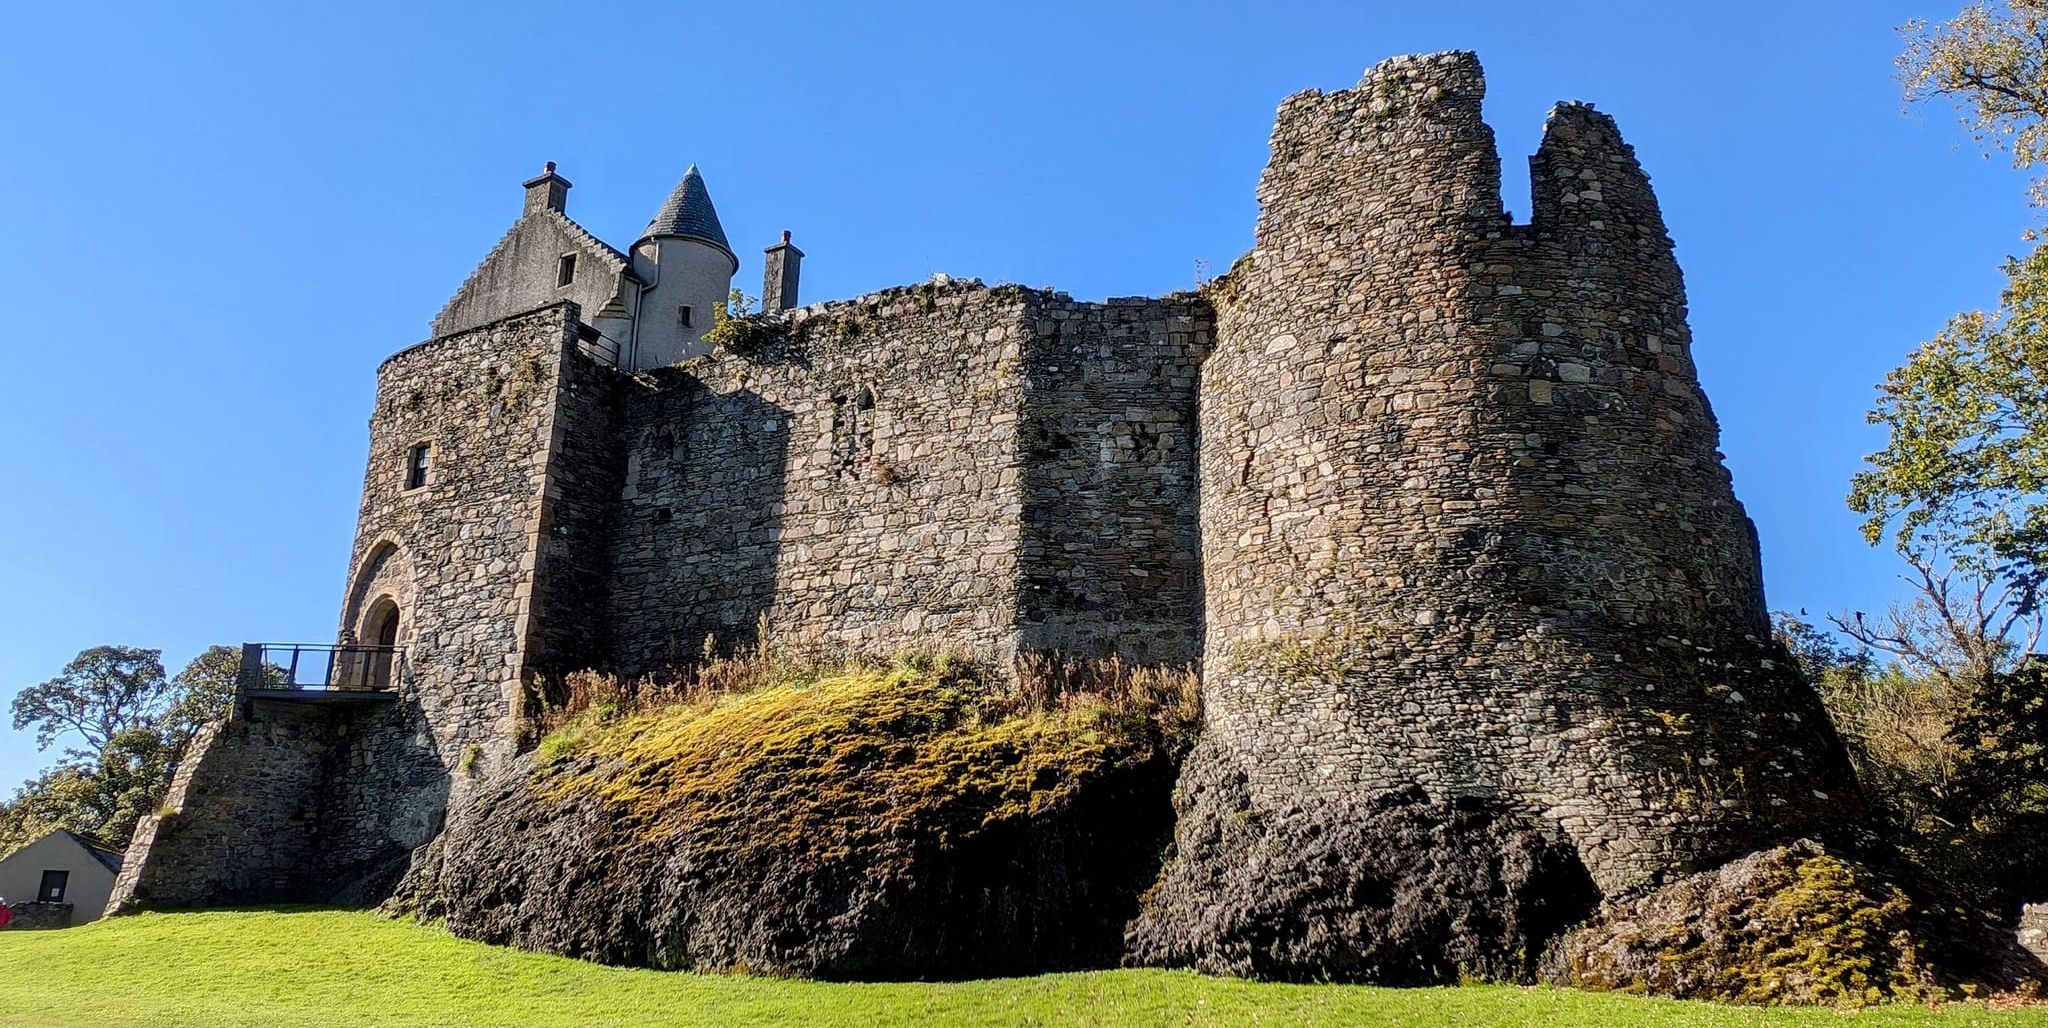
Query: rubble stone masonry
x: 1463, y: 520
x: 1433, y: 499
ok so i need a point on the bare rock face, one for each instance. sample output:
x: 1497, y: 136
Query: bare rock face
x: 1792, y: 924
x: 1393, y: 889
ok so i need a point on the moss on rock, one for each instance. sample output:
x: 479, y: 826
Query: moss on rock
x: 840, y: 769
x: 900, y: 821
x: 1790, y: 925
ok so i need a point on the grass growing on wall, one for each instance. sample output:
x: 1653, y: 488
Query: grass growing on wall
x: 844, y: 763
x: 292, y: 968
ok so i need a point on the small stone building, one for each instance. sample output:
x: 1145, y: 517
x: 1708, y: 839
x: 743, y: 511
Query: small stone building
x: 58, y: 880
x: 1432, y: 497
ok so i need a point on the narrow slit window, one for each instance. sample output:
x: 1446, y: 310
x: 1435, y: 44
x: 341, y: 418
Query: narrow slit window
x: 684, y: 316
x: 565, y: 269
x: 416, y: 466
x: 853, y: 430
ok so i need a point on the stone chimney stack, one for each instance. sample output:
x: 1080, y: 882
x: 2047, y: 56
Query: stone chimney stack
x: 778, y: 278
x: 547, y: 192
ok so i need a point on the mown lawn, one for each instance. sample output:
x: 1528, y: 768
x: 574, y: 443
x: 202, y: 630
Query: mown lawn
x: 346, y: 968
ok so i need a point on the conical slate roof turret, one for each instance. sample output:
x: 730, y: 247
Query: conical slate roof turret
x: 688, y: 213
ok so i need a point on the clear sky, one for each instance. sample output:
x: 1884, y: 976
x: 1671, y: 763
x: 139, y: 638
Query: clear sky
x: 216, y: 218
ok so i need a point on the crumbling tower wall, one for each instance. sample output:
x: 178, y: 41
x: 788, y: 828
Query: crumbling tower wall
x: 1464, y: 526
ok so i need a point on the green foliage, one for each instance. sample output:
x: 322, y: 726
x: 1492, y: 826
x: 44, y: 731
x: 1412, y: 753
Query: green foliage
x: 846, y: 766
x: 102, y: 800
x: 1957, y: 766
x: 734, y: 328
x: 1963, y: 471
x: 103, y: 692
x: 205, y: 691
x: 1989, y: 62
x: 1999, y: 805
x: 118, y: 700
x: 223, y: 968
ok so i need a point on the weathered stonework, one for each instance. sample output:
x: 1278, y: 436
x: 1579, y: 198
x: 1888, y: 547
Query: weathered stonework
x: 1463, y: 521
x: 991, y: 471
x: 853, y: 482
x: 1433, y: 499
x: 30, y: 917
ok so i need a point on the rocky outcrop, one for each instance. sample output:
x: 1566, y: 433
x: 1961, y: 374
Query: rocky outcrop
x: 873, y: 828
x: 1793, y: 924
x: 1395, y: 889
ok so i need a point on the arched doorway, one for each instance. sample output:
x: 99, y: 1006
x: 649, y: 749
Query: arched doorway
x: 380, y: 644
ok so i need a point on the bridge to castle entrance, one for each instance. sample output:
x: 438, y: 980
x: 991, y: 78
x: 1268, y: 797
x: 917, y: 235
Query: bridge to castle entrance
x: 322, y: 673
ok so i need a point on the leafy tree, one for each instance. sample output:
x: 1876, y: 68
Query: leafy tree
x: 206, y: 690
x: 1961, y: 479
x: 67, y: 796
x: 1894, y: 722
x: 2000, y: 804
x: 1957, y: 766
x: 103, y: 793
x: 103, y: 692
x: 1960, y: 482
x: 1988, y: 62
x: 1821, y: 657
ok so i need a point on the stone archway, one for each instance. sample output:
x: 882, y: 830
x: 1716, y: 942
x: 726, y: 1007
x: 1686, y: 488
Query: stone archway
x: 376, y: 620
x: 380, y: 643
x: 384, y: 575
x: 381, y: 626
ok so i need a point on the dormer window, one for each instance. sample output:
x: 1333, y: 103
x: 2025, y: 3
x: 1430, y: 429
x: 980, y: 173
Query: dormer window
x: 684, y: 316
x: 416, y: 466
x: 565, y: 269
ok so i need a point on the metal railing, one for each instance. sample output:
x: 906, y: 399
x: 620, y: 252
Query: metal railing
x: 311, y: 667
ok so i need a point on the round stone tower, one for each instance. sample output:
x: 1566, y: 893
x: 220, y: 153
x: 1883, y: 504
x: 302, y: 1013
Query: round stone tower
x: 1465, y: 531
x: 687, y: 266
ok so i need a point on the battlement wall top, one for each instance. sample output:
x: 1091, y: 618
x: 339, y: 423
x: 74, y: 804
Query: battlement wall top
x: 1410, y: 144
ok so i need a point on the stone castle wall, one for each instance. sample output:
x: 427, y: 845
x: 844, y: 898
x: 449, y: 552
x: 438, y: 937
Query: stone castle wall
x: 567, y: 627
x: 238, y: 823
x: 988, y: 470
x: 289, y: 803
x: 1111, y: 560
x: 1463, y: 520
x: 460, y: 555
x: 1433, y: 498
x: 853, y: 482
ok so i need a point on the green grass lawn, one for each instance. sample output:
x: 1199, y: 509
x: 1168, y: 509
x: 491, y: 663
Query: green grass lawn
x: 344, y: 968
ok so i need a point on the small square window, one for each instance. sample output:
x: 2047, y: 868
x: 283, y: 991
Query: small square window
x: 565, y: 269
x: 683, y: 315
x: 416, y: 466
x: 52, y: 888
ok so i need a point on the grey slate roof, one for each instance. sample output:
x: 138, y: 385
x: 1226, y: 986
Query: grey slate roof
x: 688, y: 212
x: 108, y: 858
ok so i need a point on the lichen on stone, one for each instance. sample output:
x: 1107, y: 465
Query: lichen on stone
x: 1795, y: 924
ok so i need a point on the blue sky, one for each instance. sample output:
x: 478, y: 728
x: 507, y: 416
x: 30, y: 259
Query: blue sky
x: 215, y: 220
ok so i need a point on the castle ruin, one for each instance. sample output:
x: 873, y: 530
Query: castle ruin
x: 1432, y: 498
